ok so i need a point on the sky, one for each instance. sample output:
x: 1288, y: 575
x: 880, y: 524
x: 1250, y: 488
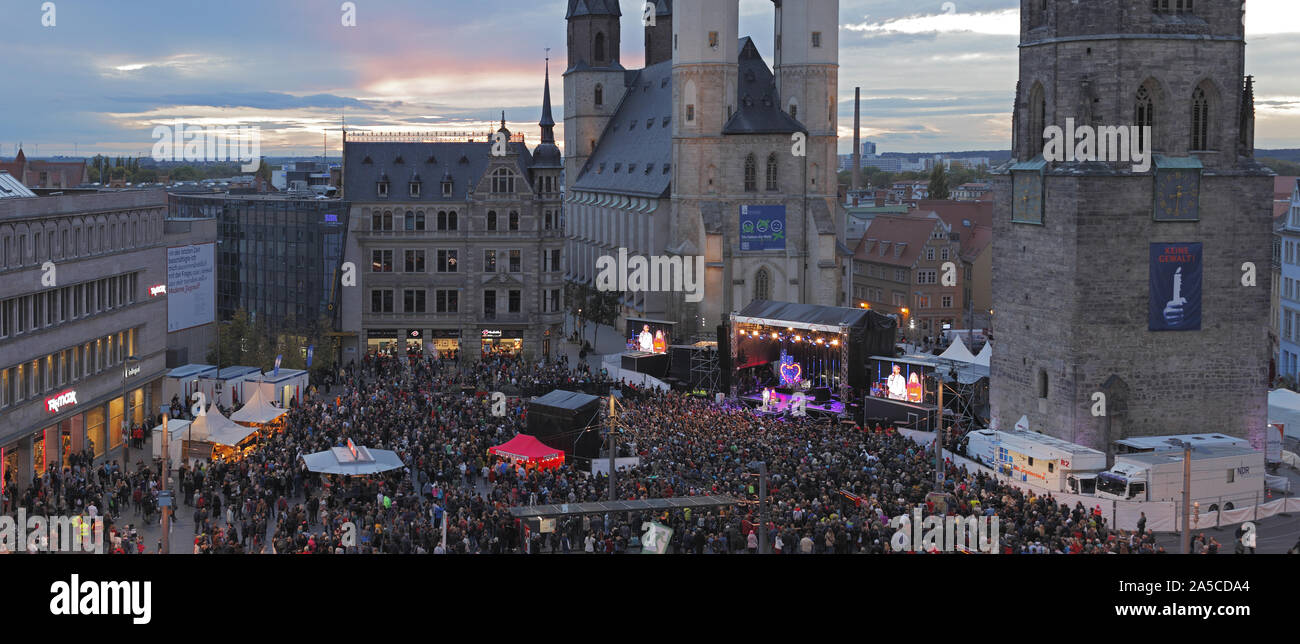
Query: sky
x: 935, y: 75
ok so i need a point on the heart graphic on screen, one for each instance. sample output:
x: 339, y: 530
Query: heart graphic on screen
x: 791, y: 372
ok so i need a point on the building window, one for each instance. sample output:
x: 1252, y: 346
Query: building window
x: 490, y: 261
x: 447, y: 261
x: 926, y: 277
x: 816, y: 39
x: 415, y: 189
x: 446, y: 188
x: 489, y: 305
x: 771, y: 172
x: 516, y: 261
x: 381, y: 301
x: 762, y: 285
x: 381, y: 261
x: 1042, y: 383
x: 492, y: 220
x: 1037, y: 119
x: 751, y: 174
x: 514, y: 221
x: 448, y: 301
x: 713, y: 39
x: 929, y: 254
x: 690, y: 112
x: 600, y: 95
x: 547, y: 220
x: 598, y: 48
x: 381, y: 220
x: 946, y: 301
x: 503, y: 181
x: 943, y: 254
x: 1200, y: 120
x: 415, y: 220
x: 513, y: 304
x: 381, y: 189
x: 447, y: 220
x: 413, y: 300
x: 415, y: 261
x: 1144, y: 115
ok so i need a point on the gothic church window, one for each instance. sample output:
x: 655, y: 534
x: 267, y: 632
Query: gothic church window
x: 751, y: 172
x: 1144, y: 115
x: 1200, y: 120
x: 771, y: 171
x: 600, y: 95
x: 762, y: 285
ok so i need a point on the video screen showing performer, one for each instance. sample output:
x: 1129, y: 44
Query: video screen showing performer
x: 648, y: 337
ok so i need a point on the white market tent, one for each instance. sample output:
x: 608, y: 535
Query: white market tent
x: 215, y: 428
x: 985, y: 355
x: 176, y: 433
x: 957, y: 352
x: 258, y: 410
x: 1284, y: 408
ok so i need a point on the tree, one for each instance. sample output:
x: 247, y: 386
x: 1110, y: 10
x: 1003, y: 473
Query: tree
x: 938, y: 182
x: 264, y: 171
x: 604, y: 309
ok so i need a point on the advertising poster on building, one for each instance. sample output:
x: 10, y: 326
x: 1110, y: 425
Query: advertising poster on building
x: 1175, y: 287
x: 191, y: 286
x: 762, y: 228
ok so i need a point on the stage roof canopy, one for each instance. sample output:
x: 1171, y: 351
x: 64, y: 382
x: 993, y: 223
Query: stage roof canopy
x: 562, y: 399
x: 341, y: 460
x: 805, y: 316
x: 601, y: 507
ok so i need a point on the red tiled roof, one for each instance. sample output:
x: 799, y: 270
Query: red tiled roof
x: 889, y: 232
x: 1283, y: 187
x: 1280, y: 209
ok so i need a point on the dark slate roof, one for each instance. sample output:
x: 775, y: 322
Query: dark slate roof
x: 758, y: 107
x: 592, y: 8
x: 360, y: 177
x: 663, y: 7
x: 562, y: 399
x: 634, y: 153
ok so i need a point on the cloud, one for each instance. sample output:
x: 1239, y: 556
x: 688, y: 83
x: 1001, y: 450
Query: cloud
x: 1004, y: 22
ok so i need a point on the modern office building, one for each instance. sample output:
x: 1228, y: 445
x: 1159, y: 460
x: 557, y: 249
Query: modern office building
x: 82, y: 320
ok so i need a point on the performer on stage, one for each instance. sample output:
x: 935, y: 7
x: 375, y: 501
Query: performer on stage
x: 767, y: 397
x: 660, y: 344
x: 914, y: 392
x: 645, y: 339
x: 897, y: 385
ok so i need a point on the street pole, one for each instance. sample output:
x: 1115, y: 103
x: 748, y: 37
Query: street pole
x: 763, y: 547
x: 1187, y: 497
x: 938, y: 444
x: 167, y: 488
x: 613, y: 421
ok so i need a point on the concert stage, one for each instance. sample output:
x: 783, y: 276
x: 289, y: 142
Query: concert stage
x: 782, y: 404
x: 819, y: 350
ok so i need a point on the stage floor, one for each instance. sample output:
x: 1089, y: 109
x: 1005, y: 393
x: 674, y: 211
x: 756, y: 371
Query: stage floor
x: 780, y: 404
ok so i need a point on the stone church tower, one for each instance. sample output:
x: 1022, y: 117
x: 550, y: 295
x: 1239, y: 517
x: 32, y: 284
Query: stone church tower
x: 1085, y: 251
x: 594, y: 81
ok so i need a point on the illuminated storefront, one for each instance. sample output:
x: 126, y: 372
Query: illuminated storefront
x: 502, y: 341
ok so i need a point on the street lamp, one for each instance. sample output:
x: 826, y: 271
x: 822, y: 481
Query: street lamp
x: 125, y: 416
x: 762, y: 505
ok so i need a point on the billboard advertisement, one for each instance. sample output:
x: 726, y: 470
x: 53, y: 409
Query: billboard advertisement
x: 191, y: 286
x: 1175, y: 303
x: 762, y: 228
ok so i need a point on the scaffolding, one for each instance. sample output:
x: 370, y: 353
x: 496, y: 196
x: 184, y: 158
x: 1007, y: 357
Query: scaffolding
x: 704, y: 366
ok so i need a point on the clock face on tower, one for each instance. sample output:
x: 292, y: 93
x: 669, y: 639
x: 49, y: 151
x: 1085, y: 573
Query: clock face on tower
x: 1177, y: 195
x: 1027, y: 195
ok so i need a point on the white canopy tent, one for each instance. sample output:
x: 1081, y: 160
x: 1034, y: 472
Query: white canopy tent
x: 985, y: 355
x: 1284, y: 408
x: 175, y: 428
x: 957, y: 352
x: 258, y: 410
x: 215, y: 428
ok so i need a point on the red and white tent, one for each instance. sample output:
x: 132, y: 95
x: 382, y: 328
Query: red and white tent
x: 530, y: 451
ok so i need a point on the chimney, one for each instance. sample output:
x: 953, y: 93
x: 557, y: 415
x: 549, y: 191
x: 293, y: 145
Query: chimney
x: 857, y: 138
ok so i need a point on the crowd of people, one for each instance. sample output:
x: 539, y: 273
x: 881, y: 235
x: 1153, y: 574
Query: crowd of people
x: 833, y: 487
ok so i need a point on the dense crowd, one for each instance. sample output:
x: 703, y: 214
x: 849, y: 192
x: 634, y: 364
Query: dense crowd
x: 832, y: 487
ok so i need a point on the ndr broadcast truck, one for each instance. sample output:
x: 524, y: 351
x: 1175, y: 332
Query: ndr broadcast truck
x: 1047, y: 461
x: 1231, y: 473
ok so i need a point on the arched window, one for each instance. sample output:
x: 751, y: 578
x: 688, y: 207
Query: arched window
x: 598, y: 50
x: 762, y: 285
x: 1200, y: 120
x: 600, y: 95
x: 751, y: 174
x: 771, y: 171
x: 794, y: 110
x: 503, y: 180
x: 1144, y: 115
x: 1037, y: 118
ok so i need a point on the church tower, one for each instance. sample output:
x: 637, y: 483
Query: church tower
x: 807, y: 79
x: 1130, y: 296
x: 594, y: 81
x: 658, y: 32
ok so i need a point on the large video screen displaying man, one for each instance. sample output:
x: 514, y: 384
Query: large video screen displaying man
x: 1175, y: 287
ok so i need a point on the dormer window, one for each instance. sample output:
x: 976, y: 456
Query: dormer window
x: 415, y: 189
x: 381, y: 189
x: 367, y: 161
x: 431, y: 160
x: 617, y: 167
x: 399, y: 160
x: 667, y: 167
x: 503, y: 181
x: 631, y: 167
x: 446, y: 188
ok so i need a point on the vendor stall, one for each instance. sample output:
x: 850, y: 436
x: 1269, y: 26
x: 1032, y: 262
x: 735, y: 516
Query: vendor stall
x: 283, y: 389
x: 258, y: 412
x: 528, y: 451
x: 176, y: 429
x: 225, y: 439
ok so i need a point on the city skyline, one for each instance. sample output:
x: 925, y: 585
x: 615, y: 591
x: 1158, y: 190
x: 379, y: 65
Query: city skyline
x: 948, y: 85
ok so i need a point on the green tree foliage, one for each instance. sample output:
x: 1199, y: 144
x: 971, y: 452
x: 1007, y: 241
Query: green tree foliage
x: 938, y: 182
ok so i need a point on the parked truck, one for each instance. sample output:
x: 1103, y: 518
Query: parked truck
x: 1231, y: 473
x: 1047, y: 461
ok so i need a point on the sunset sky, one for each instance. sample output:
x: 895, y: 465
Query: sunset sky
x: 108, y: 71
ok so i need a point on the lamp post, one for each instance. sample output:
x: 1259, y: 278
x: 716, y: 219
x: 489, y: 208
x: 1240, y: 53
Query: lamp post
x: 125, y: 415
x: 1187, y: 492
x: 761, y: 466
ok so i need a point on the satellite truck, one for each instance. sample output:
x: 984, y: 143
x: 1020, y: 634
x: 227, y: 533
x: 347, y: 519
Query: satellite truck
x: 1044, y: 461
x: 1231, y: 474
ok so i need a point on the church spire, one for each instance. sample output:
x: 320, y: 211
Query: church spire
x: 548, y: 122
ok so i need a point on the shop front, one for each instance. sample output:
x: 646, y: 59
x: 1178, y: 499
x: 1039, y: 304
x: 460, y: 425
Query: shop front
x: 444, y: 343
x: 508, y: 342
x: 381, y: 341
x: 415, y: 343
